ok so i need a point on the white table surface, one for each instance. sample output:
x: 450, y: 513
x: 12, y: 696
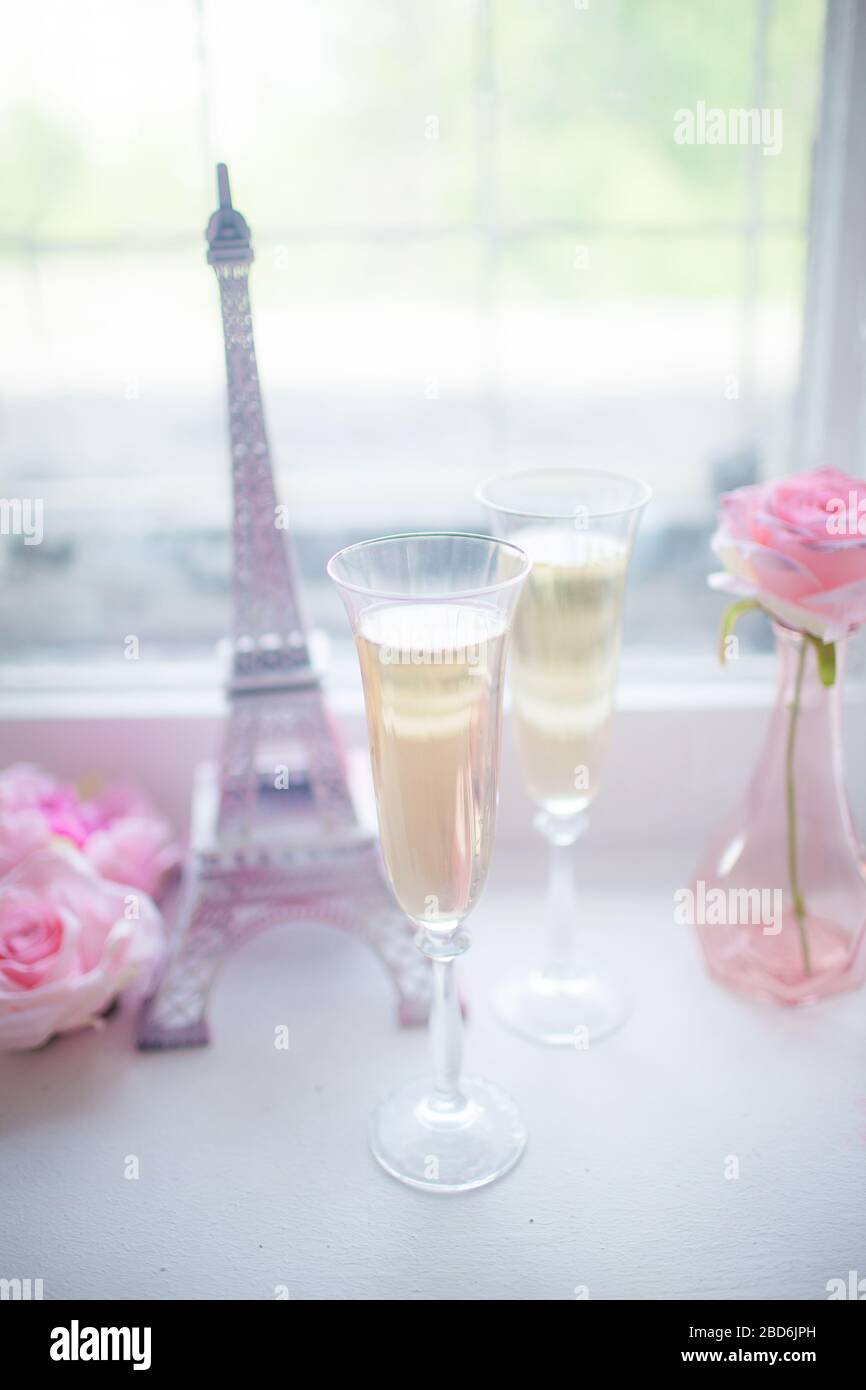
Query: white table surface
x: 254, y: 1172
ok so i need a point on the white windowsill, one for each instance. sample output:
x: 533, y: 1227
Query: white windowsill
x: 622, y: 1189
x: 176, y: 687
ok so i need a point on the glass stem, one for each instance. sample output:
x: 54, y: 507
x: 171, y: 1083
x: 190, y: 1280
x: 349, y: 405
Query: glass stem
x: 561, y: 906
x: 561, y: 834
x: 446, y: 1036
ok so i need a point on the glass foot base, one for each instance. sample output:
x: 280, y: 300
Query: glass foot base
x: 448, y: 1150
x: 562, y: 1009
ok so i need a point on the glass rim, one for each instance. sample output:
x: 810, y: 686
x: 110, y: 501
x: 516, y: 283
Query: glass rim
x: 371, y: 592
x: 644, y: 491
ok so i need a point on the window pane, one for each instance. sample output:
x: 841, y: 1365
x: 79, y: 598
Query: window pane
x: 478, y: 245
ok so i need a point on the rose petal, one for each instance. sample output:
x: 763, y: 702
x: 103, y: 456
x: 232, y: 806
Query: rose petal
x: 112, y: 935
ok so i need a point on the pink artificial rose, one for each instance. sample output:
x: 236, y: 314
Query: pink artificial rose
x: 24, y: 785
x: 133, y: 849
x: 796, y: 545
x: 130, y: 842
x: 20, y: 832
x: 69, y: 943
x: 119, y: 830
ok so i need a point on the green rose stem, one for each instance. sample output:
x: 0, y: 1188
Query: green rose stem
x: 796, y: 892
x: 825, y: 653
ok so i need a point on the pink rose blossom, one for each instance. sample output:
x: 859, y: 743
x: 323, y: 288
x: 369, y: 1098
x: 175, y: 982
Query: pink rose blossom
x: 67, y: 816
x: 24, y: 785
x: 20, y: 832
x: 129, y: 841
x: 119, y: 830
x: 133, y: 849
x: 69, y: 943
x: 795, y: 545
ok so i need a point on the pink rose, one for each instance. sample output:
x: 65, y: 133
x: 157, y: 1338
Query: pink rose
x: 24, y: 824
x: 20, y: 832
x: 795, y: 545
x: 69, y: 943
x: 130, y: 842
x: 24, y: 785
x: 119, y: 830
x: 133, y: 849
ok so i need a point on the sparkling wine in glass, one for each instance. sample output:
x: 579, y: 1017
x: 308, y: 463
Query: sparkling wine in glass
x: 431, y: 616
x: 577, y: 526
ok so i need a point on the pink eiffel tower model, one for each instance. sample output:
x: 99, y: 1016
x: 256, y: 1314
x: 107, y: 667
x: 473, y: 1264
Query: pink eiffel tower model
x: 275, y: 834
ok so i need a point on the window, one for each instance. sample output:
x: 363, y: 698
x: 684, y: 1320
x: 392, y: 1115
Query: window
x: 479, y: 242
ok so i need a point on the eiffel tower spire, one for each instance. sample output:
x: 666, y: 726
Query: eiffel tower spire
x: 269, y: 641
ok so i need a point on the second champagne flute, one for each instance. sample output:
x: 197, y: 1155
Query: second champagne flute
x: 431, y: 615
x: 577, y: 525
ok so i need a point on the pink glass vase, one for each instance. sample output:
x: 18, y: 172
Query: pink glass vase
x: 780, y: 898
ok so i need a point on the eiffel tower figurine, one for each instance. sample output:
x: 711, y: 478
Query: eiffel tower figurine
x: 275, y: 835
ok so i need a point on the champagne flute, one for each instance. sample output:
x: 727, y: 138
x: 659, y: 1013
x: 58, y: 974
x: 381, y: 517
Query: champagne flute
x: 577, y: 525
x: 431, y: 615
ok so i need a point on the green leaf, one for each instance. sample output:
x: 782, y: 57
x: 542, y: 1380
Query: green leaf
x: 730, y: 620
x: 826, y: 655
